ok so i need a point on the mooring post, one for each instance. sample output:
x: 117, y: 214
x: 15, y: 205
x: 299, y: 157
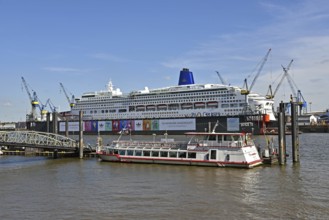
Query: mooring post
x: 294, y: 132
x: 55, y: 131
x: 282, y: 135
x: 55, y: 154
x: 48, y: 122
x: 66, y: 127
x: 80, y: 135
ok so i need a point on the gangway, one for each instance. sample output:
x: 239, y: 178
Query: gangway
x: 34, y: 139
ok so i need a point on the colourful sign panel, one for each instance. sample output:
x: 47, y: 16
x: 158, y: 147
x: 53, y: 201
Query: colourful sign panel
x: 132, y: 125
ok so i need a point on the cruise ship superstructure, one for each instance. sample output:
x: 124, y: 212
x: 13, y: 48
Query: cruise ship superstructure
x: 186, y: 100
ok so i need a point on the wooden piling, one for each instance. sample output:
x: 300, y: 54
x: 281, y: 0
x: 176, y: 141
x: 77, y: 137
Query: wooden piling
x: 48, y: 122
x: 282, y: 134
x: 294, y: 133
x: 66, y: 127
x: 55, y: 129
x: 80, y: 135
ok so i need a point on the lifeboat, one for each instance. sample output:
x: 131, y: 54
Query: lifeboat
x: 213, y: 104
x: 140, y: 108
x: 150, y: 108
x: 187, y: 106
x: 173, y: 106
x: 199, y: 105
x: 162, y: 107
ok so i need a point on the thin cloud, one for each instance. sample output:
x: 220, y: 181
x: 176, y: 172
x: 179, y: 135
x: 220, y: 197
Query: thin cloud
x: 108, y: 57
x: 61, y: 69
x: 7, y: 104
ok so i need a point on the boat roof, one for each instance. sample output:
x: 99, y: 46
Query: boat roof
x: 215, y: 133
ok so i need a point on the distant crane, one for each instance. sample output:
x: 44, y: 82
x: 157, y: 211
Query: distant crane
x: 43, y: 110
x: 246, y: 90
x: 70, y: 101
x: 51, y: 106
x: 221, y: 78
x: 296, y: 95
x: 270, y: 94
x: 33, y: 99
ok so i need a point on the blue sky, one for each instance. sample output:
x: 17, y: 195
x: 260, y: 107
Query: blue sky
x: 85, y: 43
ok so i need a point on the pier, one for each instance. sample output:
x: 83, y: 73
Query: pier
x: 49, y: 154
x: 271, y: 156
x: 44, y: 143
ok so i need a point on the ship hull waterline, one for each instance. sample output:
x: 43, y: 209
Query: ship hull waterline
x: 186, y: 162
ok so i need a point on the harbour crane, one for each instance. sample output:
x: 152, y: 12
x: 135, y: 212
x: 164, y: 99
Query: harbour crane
x: 221, y: 78
x: 70, y: 101
x: 246, y: 90
x: 51, y: 106
x: 43, y: 110
x: 297, y: 95
x: 270, y: 94
x: 33, y: 99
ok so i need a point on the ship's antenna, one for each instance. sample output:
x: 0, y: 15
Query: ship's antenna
x: 213, y: 130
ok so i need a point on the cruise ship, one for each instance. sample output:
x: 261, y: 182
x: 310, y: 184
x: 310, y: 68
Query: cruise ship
x: 186, y: 100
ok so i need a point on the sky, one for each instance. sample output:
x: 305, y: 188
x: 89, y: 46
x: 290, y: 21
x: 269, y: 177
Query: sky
x: 83, y: 44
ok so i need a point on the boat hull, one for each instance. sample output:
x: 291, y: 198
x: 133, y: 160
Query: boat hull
x: 181, y: 161
x: 202, y: 149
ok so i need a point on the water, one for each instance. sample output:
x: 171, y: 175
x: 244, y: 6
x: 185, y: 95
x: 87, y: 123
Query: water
x: 41, y: 188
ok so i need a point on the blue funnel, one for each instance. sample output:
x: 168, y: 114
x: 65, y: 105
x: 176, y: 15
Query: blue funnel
x: 185, y: 77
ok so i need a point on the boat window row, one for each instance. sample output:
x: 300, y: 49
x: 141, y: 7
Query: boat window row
x: 154, y: 153
x: 126, y: 102
x: 187, y: 94
x: 168, y: 101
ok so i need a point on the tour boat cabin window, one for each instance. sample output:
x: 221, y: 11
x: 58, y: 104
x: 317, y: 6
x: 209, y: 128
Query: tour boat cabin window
x: 155, y: 153
x: 213, y: 154
x: 172, y: 154
x: 163, y: 154
x: 130, y: 152
x: 182, y: 155
x: 122, y: 152
x: 191, y: 155
x: 146, y: 153
x: 138, y: 153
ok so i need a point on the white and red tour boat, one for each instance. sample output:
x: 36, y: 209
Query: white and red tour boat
x: 202, y: 149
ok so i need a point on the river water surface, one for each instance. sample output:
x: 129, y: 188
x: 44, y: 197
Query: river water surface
x: 42, y: 188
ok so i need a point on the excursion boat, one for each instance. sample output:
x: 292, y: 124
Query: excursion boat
x: 202, y: 149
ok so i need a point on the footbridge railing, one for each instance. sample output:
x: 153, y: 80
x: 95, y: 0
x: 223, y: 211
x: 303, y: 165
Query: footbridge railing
x: 37, y: 140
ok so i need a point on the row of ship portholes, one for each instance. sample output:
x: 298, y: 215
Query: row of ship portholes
x: 164, y: 107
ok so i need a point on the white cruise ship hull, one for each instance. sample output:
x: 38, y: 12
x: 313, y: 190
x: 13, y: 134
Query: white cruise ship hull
x: 184, y: 100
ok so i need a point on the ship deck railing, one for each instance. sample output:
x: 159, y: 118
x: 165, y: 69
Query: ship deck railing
x: 154, y: 145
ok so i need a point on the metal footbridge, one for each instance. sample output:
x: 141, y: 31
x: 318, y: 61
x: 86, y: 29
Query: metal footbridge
x: 35, y: 139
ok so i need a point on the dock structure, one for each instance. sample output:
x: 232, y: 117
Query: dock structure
x: 50, y: 154
x: 35, y: 139
x: 294, y: 133
x: 44, y: 143
x: 41, y: 142
x: 80, y: 135
x: 282, y: 134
